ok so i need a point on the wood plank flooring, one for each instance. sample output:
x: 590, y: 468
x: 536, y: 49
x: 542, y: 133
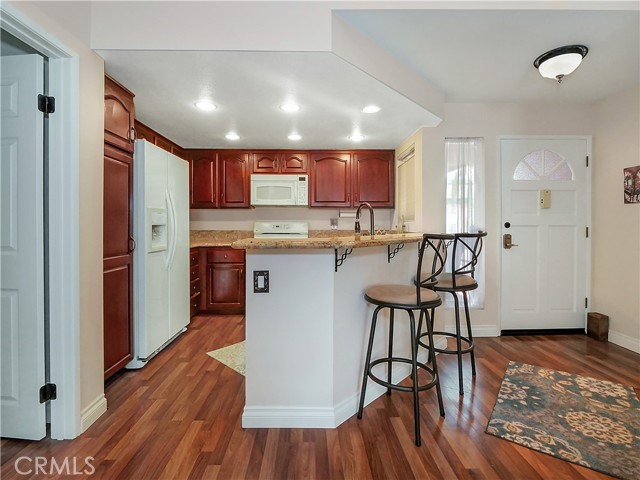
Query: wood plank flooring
x: 179, y: 418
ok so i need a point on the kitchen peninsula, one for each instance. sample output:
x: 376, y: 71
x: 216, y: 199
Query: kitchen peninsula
x: 306, y: 337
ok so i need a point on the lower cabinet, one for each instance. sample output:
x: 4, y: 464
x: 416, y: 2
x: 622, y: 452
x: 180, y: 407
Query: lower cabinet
x: 224, y: 281
x: 196, y: 289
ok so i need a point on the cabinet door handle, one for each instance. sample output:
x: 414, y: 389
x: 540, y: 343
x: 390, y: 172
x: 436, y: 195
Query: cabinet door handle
x: 132, y: 134
x: 348, y: 197
x: 132, y: 245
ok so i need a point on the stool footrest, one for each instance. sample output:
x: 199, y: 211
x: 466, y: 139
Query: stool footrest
x: 395, y: 386
x: 447, y: 350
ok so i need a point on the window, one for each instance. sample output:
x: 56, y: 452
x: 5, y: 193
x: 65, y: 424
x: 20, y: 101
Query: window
x: 464, y: 159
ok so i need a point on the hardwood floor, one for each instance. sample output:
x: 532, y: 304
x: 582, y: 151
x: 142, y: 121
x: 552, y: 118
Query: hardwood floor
x: 179, y: 417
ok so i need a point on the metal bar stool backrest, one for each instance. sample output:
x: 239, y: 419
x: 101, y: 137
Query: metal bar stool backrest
x: 436, y: 244
x: 466, y: 250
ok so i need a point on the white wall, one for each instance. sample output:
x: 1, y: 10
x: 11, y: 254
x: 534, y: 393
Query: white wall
x: 616, y: 225
x: 490, y: 121
x: 60, y: 19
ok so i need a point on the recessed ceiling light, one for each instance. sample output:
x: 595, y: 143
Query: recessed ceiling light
x: 232, y: 136
x: 356, y: 137
x: 294, y: 136
x: 289, y: 107
x: 371, y: 109
x: 205, y: 105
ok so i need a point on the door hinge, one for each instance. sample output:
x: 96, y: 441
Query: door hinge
x: 48, y: 392
x: 587, y: 231
x: 46, y: 104
x: 587, y: 160
x: 586, y: 302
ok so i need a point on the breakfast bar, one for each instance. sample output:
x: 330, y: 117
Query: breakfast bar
x: 306, y: 336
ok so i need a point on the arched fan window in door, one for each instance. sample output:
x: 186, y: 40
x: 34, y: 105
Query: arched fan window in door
x: 543, y: 164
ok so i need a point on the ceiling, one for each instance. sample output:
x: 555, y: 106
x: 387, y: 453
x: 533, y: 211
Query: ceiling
x: 487, y: 55
x: 248, y: 89
x: 470, y: 56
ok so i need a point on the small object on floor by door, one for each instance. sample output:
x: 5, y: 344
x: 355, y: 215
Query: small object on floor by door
x: 598, y: 326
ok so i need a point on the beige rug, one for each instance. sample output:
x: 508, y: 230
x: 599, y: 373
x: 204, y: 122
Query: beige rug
x: 232, y: 356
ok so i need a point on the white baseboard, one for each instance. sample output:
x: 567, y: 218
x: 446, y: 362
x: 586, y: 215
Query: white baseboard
x: 288, y: 417
x: 625, y: 341
x: 323, y: 417
x: 91, y: 413
x: 478, y: 330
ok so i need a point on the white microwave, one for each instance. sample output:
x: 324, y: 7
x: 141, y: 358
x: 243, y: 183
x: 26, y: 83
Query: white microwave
x: 280, y: 190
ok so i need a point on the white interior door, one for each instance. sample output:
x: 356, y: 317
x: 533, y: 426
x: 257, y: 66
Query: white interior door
x: 545, y: 274
x: 22, y: 249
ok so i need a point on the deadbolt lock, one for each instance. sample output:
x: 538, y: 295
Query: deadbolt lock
x: 506, y: 241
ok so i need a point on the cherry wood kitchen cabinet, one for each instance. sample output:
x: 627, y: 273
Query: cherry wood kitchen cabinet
x: 117, y: 227
x: 373, y: 177
x: 234, y: 179
x: 118, y: 115
x: 224, y: 280
x: 196, y: 282
x: 348, y: 178
x: 144, y: 132
x: 279, y: 161
x: 219, y: 178
x: 203, y: 172
x: 330, y: 179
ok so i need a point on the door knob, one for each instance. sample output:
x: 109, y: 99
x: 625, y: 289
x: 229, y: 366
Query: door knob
x: 506, y: 241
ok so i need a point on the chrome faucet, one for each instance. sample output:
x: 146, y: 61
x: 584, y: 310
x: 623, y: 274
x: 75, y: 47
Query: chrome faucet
x: 371, y: 219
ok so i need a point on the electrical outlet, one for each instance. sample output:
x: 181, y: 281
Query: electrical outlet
x: 261, y: 281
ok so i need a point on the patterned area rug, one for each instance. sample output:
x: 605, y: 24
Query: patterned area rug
x: 582, y: 420
x: 232, y: 356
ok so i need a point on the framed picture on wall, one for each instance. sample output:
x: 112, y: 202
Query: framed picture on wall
x: 632, y: 184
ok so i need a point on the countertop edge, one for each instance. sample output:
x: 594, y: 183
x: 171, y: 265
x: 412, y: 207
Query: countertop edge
x: 319, y: 243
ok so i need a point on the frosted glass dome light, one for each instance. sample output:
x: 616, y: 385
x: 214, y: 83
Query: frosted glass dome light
x: 561, y: 61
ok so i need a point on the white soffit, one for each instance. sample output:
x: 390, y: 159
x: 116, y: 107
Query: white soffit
x: 249, y: 87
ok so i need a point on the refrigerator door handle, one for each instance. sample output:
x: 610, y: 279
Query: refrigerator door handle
x: 174, y: 233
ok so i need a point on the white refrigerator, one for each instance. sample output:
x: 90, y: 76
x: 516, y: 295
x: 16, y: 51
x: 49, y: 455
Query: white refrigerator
x: 161, y: 257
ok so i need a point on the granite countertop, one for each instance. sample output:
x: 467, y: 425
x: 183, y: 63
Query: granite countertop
x: 217, y: 238
x: 336, y: 241
x: 243, y: 239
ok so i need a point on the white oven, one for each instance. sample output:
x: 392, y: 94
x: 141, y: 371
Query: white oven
x: 279, y: 190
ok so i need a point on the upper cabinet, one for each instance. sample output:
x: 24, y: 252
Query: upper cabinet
x: 330, y: 179
x: 234, y: 177
x: 143, y: 132
x: 219, y: 178
x: 203, y: 178
x: 270, y: 161
x: 373, y: 177
x: 343, y: 179
x: 346, y: 179
x: 118, y: 115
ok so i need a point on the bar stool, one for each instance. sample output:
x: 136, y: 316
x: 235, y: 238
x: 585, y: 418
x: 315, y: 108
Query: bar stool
x: 408, y: 298
x: 466, y: 251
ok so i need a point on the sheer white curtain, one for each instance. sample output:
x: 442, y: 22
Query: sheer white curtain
x: 464, y: 159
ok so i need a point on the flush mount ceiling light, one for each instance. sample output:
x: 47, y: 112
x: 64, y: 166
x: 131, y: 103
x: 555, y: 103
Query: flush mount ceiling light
x: 371, y: 109
x: 206, y: 105
x: 294, y: 136
x: 561, y: 61
x: 356, y: 137
x: 289, y: 107
x: 232, y: 136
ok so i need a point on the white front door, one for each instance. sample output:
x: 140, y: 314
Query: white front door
x: 22, y: 249
x: 545, y: 199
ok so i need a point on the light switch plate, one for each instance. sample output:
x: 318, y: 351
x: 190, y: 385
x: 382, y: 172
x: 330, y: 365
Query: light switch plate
x: 261, y: 281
